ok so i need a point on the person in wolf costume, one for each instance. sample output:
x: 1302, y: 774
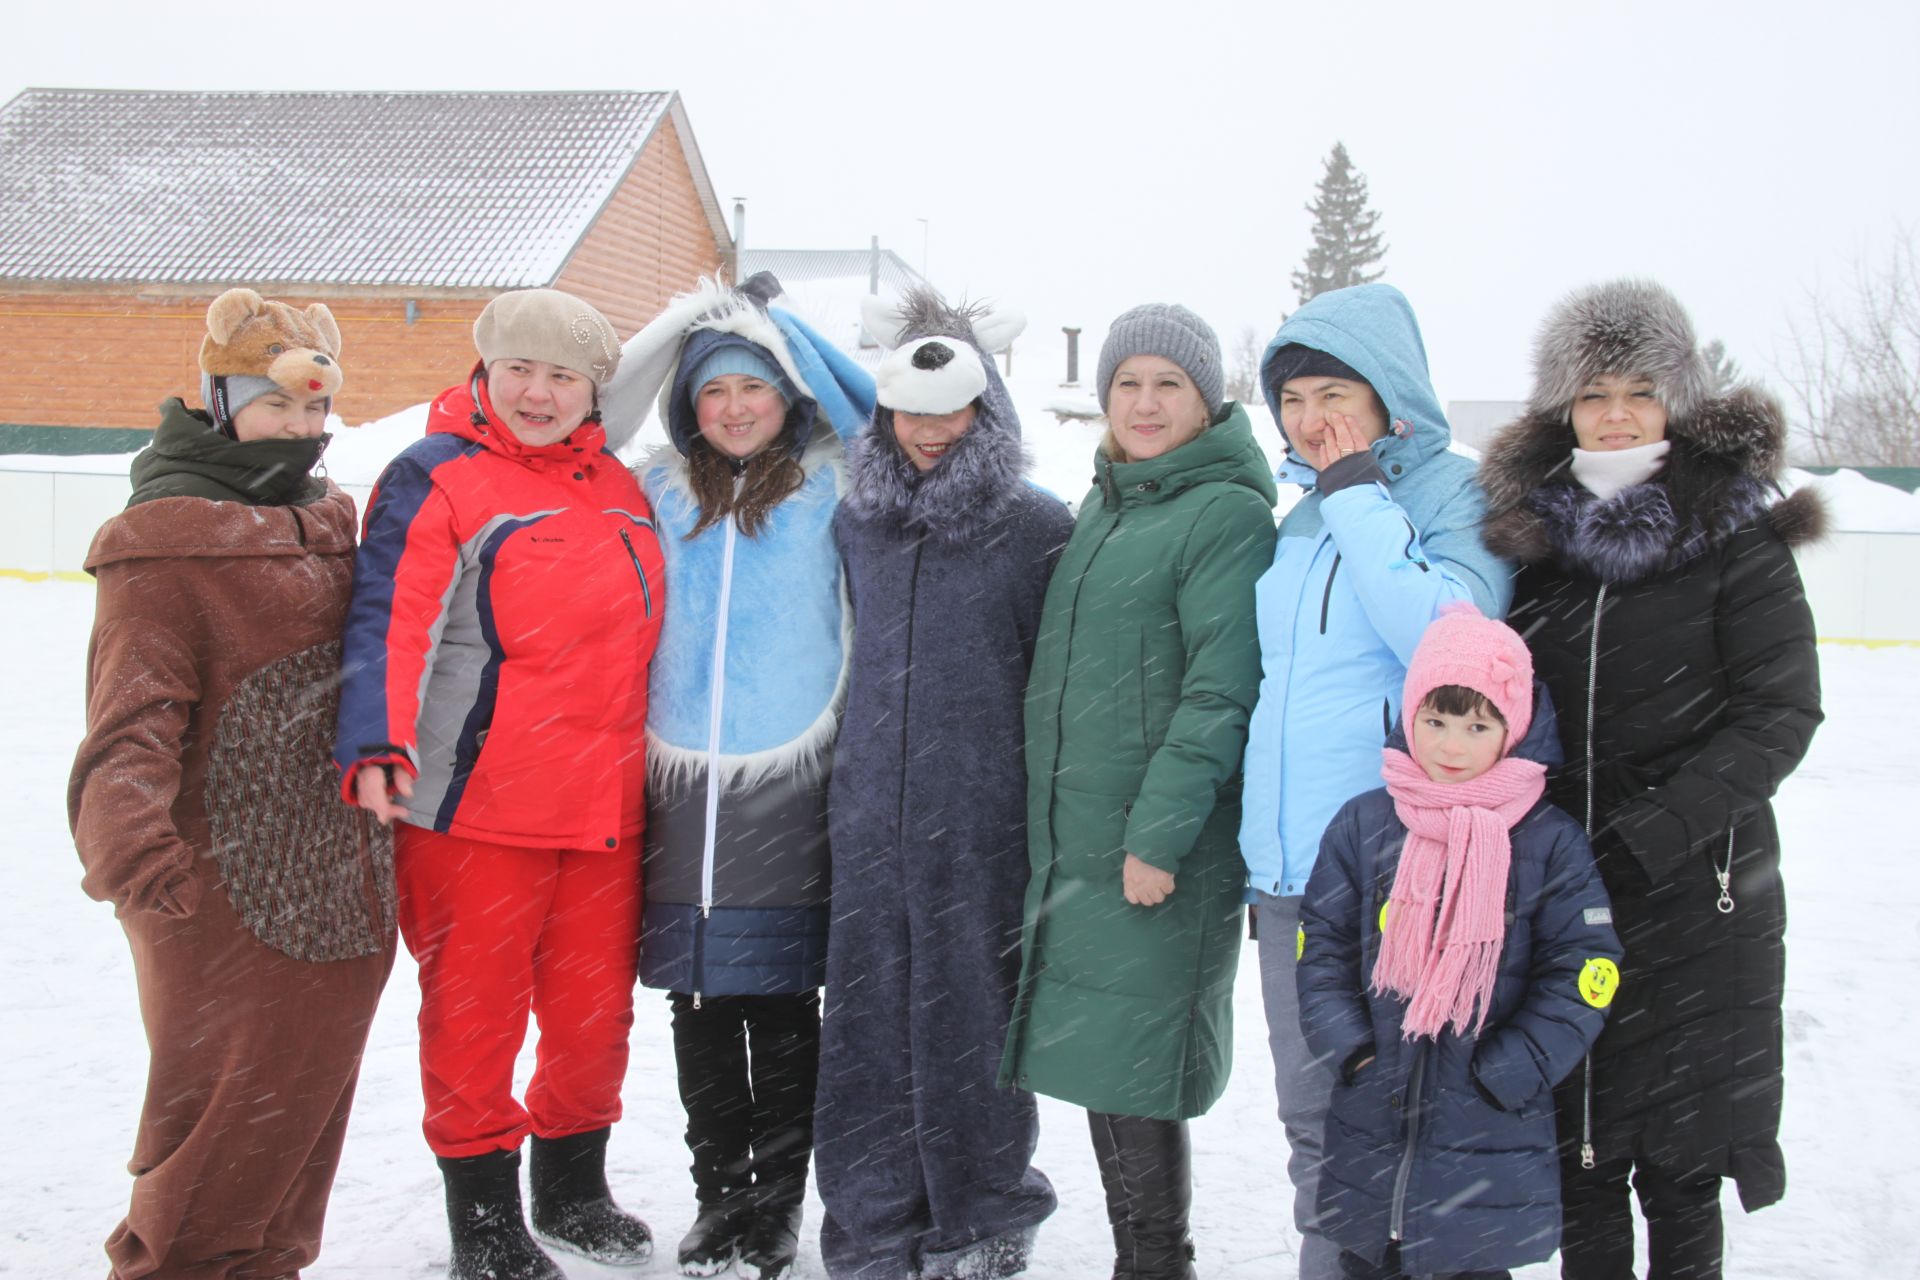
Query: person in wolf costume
x: 925, y: 1167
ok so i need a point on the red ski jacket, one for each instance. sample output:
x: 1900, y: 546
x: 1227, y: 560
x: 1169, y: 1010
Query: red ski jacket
x: 506, y: 603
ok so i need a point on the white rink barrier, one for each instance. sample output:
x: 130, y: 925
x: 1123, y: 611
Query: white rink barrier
x: 48, y: 519
x: 1859, y: 583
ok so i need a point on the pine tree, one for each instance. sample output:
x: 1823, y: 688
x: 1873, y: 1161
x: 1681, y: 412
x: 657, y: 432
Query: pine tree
x: 1346, y: 238
x: 1722, y: 369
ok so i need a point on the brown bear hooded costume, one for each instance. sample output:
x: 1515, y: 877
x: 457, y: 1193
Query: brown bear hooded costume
x: 205, y: 807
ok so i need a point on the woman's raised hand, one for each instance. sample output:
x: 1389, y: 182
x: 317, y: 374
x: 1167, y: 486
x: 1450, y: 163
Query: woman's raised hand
x: 1144, y: 884
x: 375, y: 785
x: 1341, y: 439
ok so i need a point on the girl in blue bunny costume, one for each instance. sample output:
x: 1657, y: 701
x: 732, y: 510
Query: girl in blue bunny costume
x: 747, y: 689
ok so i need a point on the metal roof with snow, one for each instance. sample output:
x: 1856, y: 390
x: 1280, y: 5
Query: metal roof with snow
x: 428, y: 190
x: 794, y: 267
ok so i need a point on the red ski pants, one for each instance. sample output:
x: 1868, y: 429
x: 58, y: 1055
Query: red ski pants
x: 498, y: 930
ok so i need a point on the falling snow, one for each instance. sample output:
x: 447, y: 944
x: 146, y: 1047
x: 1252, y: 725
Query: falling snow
x: 76, y: 1058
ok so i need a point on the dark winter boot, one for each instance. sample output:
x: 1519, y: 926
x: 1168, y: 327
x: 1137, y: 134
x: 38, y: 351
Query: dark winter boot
x: 714, y: 1240
x: 710, y: 1058
x: 572, y: 1208
x: 1146, y: 1167
x: 1108, y: 1158
x: 771, y: 1243
x: 490, y: 1240
x: 784, y: 1034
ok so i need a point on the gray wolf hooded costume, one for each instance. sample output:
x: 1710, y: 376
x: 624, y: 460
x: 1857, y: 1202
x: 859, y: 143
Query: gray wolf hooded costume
x: 923, y: 1164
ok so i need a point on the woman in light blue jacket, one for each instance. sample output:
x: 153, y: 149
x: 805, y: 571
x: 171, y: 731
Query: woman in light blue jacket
x: 1388, y: 532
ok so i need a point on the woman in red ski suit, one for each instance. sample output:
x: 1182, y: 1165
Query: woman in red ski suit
x: 506, y: 602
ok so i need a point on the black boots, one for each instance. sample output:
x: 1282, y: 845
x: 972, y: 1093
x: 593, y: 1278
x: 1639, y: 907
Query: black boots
x: 748, y: 1067
x: 490, y: 1240
x: 773, y: 1241
x: 709, y: 1247
x: 572, y: 1208
x: 1146, y: 1167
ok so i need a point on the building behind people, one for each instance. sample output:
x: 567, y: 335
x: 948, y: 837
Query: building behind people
x: 259, y: 910
x: 925, y: 1167
x: 1658, y: 591
x: 1387, y: 535
x: 1144, y: 673
x: 506, y: 600
x: 746, y: 696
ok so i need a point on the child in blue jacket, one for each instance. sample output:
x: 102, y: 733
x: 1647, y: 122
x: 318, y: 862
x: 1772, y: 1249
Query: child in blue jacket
x: 1457, y: 956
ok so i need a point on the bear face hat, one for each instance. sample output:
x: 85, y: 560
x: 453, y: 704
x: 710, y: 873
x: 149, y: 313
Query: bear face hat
x: 253, y: 347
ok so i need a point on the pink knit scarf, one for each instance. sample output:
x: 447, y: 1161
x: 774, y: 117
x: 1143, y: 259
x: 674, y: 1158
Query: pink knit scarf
x: 1446, y: 921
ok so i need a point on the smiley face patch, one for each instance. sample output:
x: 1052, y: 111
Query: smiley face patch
x: 1599, y: 979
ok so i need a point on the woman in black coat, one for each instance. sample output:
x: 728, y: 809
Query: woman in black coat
x: 1658, y: 592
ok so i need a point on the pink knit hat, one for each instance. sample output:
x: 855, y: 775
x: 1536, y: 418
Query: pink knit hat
x: 1462, y: 647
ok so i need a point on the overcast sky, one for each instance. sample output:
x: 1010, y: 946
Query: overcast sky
x: 1076, y: 159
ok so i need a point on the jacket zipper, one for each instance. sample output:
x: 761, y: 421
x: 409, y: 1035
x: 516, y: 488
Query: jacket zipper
x: 646, y: 592
x: 1593, y: 685
x: 1397, y: 1219
x: 1327, y: 598
x: 906, y: 687
x: 715, y: 705
x: 1407, y: 552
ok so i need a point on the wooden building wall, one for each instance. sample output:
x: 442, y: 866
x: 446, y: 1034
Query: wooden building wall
x: 102, y: 359
x: 650, y: 242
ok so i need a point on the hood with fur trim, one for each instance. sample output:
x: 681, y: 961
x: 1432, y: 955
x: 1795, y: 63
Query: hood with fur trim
x: 981, y: 475
x: 1722, y: 473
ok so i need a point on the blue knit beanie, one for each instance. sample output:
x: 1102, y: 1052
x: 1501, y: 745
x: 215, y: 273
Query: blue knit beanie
x: 751, y: 359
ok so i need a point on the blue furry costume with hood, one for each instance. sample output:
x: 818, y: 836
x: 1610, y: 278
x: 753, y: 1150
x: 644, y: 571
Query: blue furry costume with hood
x: 925, y: 1167
x: 736, y: 859
x: 747, y: 686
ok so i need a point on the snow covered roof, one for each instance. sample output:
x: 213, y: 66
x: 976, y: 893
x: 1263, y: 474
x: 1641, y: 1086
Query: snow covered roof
x: 798, y: 267
x: 433, y: 190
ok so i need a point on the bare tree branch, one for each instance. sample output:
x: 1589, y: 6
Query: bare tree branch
x: 1853, y: 371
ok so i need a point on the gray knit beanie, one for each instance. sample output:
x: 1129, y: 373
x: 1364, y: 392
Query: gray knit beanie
x: 1172, y: 332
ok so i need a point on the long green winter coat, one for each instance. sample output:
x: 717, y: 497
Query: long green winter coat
x: 1144, y: 674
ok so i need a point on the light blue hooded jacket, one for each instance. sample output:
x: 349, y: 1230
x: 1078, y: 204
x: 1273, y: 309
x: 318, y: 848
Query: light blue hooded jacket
x: 1356, y: 577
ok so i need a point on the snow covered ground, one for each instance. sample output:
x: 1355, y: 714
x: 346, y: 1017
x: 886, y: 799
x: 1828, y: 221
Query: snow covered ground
x: 74, y: 1056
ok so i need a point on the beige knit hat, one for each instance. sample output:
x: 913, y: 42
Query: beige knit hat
x: 550, y: 326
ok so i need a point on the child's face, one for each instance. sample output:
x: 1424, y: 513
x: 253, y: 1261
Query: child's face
x: 926, y: 437
x: 281, y: 415
x: 1456, y: 748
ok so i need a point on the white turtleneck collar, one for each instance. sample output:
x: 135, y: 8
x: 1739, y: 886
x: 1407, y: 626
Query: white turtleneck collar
x: 1605, y: 472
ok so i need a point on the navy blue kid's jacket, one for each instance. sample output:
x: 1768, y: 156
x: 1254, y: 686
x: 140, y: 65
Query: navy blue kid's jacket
x: 1448, y: 1145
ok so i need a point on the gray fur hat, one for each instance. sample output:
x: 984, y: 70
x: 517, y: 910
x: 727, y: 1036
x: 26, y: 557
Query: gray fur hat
x: 1626, y: 328
x: 1168, y: 330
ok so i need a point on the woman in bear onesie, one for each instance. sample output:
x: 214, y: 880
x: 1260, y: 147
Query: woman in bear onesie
x: 260, y: 910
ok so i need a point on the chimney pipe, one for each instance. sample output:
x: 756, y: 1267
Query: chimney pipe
x: 739, y: 234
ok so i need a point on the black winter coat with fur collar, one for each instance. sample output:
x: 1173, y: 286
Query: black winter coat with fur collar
x: 1670, y: 625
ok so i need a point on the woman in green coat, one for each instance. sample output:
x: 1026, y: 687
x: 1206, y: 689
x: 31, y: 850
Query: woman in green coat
x: 1144, y: 675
